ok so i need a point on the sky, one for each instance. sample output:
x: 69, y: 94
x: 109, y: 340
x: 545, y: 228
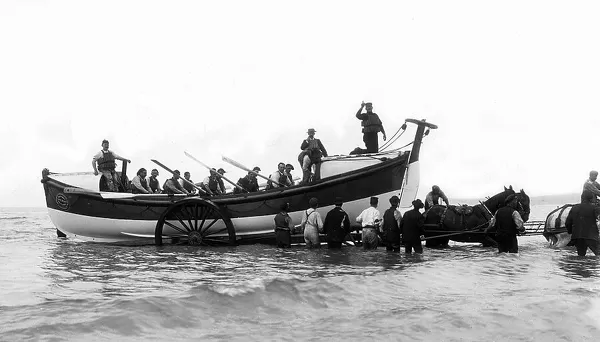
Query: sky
x: 512, y: 85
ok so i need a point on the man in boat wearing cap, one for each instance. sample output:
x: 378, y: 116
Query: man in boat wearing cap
x: 172, y: 185
x: 312, y: 151
x: 592, y: 186
x: 390, y: 226
x: 369, y: 219
x: 336, y: 225
x: 507, y: 222
x: 288, y: 172
x: 371, y: 125
x: 434, y: 196
x: 248, y: 182
x: 106, y: 165
x: 412, y: 228
x: 280, y: 177
x: 581, y: 224
x: 213, y: 184
x: 153, y: 182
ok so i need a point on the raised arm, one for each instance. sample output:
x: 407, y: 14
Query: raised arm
x: 359, y: 114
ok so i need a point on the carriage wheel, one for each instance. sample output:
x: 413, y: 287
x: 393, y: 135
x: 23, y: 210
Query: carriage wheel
x: 199, y: 221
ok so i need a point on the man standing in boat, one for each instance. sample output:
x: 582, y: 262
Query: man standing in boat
x: 369, y: 220
x: 371, y: 125
x: 312, y: 151
x: 106, y: 165
x: 592, y: 186
x: 433, y: 197
x: 249, y: 182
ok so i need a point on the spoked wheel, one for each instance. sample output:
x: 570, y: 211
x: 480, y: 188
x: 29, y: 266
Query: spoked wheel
x: 197, y: 221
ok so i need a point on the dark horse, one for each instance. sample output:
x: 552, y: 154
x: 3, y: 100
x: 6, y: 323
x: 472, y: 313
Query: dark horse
x: 449, y: 222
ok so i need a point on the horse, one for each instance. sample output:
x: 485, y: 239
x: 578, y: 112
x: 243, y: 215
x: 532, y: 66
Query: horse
x: 469, y: 224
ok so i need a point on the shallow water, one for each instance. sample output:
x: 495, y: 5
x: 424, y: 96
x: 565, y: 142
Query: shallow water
x: 54, y: 289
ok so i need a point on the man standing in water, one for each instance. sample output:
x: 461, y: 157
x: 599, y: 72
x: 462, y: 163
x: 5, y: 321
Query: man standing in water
x: 106, y: 164
x: 313, y: 224
x: 336, y: 225
x: 507, y: 221
x: 592, y: 186
x: 283, y: 227
x: 371, y: 125
x: 390, y: 226
x: 369, y: 220
x: 581, y: 223
x: 412, y: 228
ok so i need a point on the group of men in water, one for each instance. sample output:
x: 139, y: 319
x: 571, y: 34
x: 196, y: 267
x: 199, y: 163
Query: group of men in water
x: 392, y: 228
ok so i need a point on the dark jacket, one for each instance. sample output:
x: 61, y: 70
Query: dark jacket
x: 581, y: 221
x: 412, y: 225
x: 370, y: 122
x: 316, y: 149
x: 505, y: 223
x: 248, y: 183
x: 336, y: 225
x: 390, y: 229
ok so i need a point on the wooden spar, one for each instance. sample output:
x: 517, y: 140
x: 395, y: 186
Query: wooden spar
x: 236, y: 164
x: 171, y: 171
x: 218, y: 174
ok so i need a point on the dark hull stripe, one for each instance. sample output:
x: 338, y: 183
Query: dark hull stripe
x: 362, y: 183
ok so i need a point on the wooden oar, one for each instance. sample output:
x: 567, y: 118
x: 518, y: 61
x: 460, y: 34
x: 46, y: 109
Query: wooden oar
x: 238, y: 165
x: 218, y: 174
x: 171, y: 171
x: 85, y: 173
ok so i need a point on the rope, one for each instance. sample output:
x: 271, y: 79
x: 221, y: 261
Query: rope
x: 393, y: 138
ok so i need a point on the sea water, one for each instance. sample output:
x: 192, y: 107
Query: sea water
x: 55, y: 289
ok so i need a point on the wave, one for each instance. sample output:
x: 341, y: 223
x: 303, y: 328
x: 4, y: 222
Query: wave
x: 14, y: 218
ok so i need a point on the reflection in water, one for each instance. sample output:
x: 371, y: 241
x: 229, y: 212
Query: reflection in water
x: 577, y: 267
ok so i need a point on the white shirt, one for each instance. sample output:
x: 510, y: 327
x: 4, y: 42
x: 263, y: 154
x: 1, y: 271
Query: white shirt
x: 313, y: 220
x: 368, y: 217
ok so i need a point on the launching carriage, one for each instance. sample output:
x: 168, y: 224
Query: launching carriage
x: 231, y: 219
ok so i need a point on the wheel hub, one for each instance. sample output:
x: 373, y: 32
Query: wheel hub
x: 194, y: 238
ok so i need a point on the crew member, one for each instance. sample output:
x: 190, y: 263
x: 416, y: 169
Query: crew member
x: 248, y: 182
x: 187, y: 185
x: 412, y: 228
x: 139, y: 184
x: 283, y: 227
x: 312, y: 152
x: 434, y: 196
x: 213, y: 184
x: 280, y: 177
x: 371, y: 125
x: 312, y: 223
x: 581, y: 224
x: 593, y: 186
x: 288, y: 172
x: 106, y: 164
x: 369, y: 220
x: 507, y: 222
x: 390, y: 226
x: 153, y: 182
x: 172, y: 185
x: 336, y: 225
